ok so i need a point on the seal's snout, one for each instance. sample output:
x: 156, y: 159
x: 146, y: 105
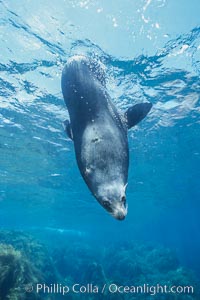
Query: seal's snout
x: 120, y: 216
x: 120, y: 211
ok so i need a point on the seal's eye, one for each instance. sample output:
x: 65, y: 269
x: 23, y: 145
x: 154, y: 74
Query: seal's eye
x: 124, y: 200
x: 106, y: 203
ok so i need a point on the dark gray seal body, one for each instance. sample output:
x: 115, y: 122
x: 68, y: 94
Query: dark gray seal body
x: 99, y: 132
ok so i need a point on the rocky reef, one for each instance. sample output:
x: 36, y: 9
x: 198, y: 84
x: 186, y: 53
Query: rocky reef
x: 126, y: 265
x: 25, y: 262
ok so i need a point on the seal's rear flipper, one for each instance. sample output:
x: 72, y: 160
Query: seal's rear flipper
x: 137, y: 113
x: 68, y: 129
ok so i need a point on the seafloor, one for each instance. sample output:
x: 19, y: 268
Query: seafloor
x: 26, y: 262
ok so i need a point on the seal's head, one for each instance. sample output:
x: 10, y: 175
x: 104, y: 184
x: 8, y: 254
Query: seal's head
x: 112, y: 197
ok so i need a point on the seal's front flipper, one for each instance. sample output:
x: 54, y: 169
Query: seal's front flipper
x: 137, y: 113
x: 68, y: 129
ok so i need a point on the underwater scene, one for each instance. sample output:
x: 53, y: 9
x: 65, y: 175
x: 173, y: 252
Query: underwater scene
x: 56, y: 239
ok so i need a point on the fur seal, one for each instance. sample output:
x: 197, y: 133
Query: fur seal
x: 99, y: 132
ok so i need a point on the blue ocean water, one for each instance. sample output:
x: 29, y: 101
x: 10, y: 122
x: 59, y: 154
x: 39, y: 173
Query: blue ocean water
x: 151, y: 51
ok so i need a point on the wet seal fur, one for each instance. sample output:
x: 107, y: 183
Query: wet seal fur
x: 99, y: 132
